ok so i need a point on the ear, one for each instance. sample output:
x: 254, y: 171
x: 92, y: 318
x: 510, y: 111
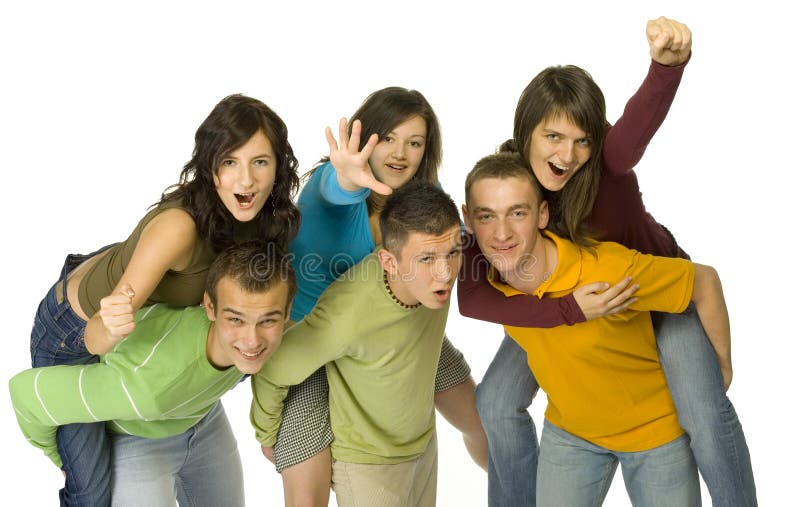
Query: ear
x: 544, y: 214
x: 209, y: 306
x: 388, y: 261
x: 467, y: 218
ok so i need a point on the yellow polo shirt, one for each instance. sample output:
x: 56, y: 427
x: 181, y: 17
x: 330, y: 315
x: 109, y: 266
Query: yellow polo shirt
x: 603, y: 378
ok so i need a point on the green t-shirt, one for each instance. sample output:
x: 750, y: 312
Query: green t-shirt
x: 380, y: 360
x: 157, y: 383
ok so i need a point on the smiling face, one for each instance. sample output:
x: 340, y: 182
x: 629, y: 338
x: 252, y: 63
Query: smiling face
x: 506, y: 214
x: 558, y: 150
x: 245, y: 177
x: 396, y: 157
x: 426, y: 269
x: 246, y: 327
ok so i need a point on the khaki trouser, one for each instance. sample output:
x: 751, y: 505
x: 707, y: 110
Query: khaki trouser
x: 408, y: 484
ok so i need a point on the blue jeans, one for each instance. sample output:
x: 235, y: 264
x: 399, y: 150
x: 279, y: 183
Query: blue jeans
x: 57, y: 338
x: 578, y: 473
x: 199, y: 467
x: 704, y: 411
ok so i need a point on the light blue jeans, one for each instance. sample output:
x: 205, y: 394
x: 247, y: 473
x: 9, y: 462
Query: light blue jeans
x: 200, y: 467
x: 704, y: 411
x: 578, y: 473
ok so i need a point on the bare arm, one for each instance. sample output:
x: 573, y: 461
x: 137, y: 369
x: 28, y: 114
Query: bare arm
x: 165, y: 243
x: 713, y: 313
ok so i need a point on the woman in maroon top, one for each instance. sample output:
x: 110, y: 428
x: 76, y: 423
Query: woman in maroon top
x: 586, y: 168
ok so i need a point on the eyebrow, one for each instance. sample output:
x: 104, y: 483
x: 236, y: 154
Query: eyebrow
x: 278, y: 313
x: 483, y: 209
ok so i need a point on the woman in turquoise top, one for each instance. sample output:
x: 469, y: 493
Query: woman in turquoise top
x: 340, y: 205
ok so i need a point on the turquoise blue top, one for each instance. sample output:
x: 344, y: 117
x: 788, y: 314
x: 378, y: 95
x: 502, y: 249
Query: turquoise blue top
x: 334, y: 236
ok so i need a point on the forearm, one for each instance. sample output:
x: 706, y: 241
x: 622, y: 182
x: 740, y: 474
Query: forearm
x: 627, y: 140
x: 477, y: 299
x: 713, y: 312
x: 97, y: 338
x: 266, y: 409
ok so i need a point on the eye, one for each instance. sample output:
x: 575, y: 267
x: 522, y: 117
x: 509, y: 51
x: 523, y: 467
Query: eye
x: 261, y: 162
x: 228, y: 162
x: 234, y: 320
x: 416, y: 144
x: 551, y: 137
x: 585, y: 141
x: 484, y: 217
x: 386, y: 139
x: 454, y: 253
x: 519, y: 213
x: 426, y: 259
x: 268, y: 322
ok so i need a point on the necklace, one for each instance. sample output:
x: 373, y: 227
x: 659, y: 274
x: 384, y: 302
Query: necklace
x: 389, y: 290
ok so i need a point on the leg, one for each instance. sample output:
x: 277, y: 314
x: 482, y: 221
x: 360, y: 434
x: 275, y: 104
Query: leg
x: 572, y: 471
x: 145, y: 470
x: 407, y: 484
x: 503, y: 398
x: 455, y: 400
x: 704, y: 410
x: 212, y: 473
x: 662, y: 477
x: 57, y: 338
x: 302, y: 453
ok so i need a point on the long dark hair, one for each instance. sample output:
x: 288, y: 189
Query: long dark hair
x: 567, y: 91
x: 385, y: 109
x: 230, y: 125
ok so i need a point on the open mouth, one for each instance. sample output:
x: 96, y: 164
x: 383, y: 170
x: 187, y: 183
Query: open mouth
x: 245, y: 200
x: 396, y: 168
x: 442, y: 294
x: 558, y: 171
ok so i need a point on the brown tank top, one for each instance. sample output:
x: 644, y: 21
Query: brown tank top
x: 177, y: 288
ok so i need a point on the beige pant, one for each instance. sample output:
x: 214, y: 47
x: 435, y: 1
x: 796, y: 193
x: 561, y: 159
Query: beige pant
x: 408, y: 484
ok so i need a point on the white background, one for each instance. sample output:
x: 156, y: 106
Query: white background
x: 100, y: 102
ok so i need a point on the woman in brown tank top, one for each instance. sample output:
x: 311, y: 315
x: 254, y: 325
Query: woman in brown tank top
x: 238, y: 185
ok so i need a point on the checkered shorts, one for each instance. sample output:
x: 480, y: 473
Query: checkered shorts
x: 305, y: 427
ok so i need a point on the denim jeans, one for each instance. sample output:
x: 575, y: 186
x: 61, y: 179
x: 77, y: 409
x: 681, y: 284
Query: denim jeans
x: 694, y: 379
x: 57, y: 338
x: 704, y: 410
x: 199, y: 467
x: 578, y: 473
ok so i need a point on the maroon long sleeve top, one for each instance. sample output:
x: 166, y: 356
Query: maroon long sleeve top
x: 618, y: 214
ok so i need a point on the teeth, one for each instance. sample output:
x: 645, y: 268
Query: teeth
x: 246, y: 354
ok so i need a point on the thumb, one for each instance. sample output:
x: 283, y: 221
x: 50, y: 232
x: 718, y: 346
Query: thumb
x: 126, y: 290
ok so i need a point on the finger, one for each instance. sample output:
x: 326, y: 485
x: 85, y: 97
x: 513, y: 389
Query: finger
x: 343, y: 132
x: 623, y: 296
x: 127, y: 290
x: 616, y: 289
x: 366, y: 151
x: 355, y: 137
x: 378, y: 187
x: 622, y: 307
x: 592, y: 288
x: 332, y: 144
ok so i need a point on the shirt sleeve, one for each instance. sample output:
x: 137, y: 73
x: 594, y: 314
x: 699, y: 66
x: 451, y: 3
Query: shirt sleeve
x: 334, y: 195
x: 666, y: 284
x: 479, y: 300
x: 627, y: 140
x: 46, y: 398
x: 306, y: 346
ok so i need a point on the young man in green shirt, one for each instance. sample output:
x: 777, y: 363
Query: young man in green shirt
x: 159, y: 389
x: 378, y: 331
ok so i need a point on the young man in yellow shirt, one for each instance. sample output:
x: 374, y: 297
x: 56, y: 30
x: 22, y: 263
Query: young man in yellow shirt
x: 608, y: 399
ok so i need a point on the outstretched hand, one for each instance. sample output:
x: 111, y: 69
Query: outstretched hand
x: 670, y: 41
x: 351, y: 165
x: 600, y: 300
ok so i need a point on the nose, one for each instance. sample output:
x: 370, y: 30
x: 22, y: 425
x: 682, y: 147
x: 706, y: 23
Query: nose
x: 443, y: 269
x: 246, y: 177
x: 502, y: 231
x: 567, y: 152
x: 399, y: 150
x: 249, y: 338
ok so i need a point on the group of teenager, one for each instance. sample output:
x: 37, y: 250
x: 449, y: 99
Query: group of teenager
x: 336, y: 308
